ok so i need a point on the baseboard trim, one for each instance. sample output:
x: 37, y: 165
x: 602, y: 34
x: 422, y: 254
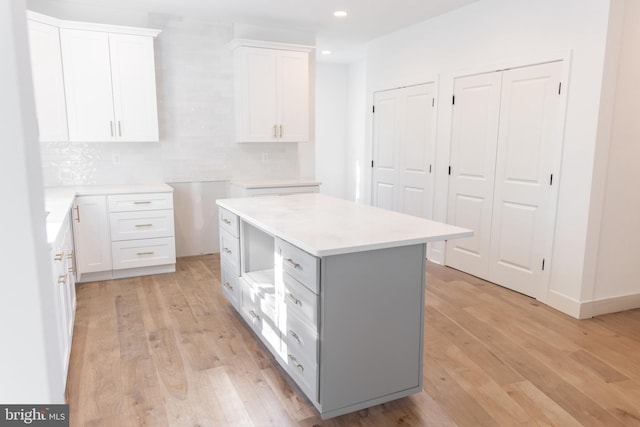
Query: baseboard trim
x: 127, y: 272
x: 565, y: 304
x: 588, y: 309
x: 614, y: 305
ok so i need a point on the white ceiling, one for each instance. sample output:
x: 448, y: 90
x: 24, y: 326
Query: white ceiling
x: 345, y: 37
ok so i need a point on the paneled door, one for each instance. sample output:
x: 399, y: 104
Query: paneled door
x: 474, y: 138
x: 386, y: 146
x: 524, y: 200
x: 403, y: 147
x: 506, y: 142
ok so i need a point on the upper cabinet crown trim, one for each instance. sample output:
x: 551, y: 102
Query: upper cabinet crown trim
x: 236, y: 43
x: 90, y: 26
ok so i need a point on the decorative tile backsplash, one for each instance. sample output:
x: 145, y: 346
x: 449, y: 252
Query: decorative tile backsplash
x: 194, y: 78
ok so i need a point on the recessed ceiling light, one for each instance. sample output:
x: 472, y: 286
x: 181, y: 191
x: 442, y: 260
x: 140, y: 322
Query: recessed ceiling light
x: 340, y: 13
x: 326, y: 52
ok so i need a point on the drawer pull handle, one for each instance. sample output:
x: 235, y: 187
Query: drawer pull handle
x: 62, y: 279
x: 58, y: 257
x: 227, y: 251
x: 294, y: 299
x: 254, y: 315
x: 295, y: 336
x: 295, y: 362
x: 226, y: 221
x: 145, y: 202
x: 146, y: 253
x: 292, y: 263
x: 70, y: 255
x: 228, y: 286
x: 144, y: 225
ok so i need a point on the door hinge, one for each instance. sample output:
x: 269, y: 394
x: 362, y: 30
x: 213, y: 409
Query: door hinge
x: 559, y: 88
x: 551, y: 180
x: 371, y: 163
x: 542, y: 264
x: 453, y: 100
x: 449, y: 170
x: 373, y: 109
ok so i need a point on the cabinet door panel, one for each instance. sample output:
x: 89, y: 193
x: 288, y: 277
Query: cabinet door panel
x: 91, y: 233
x: 293, y: 96
x: 48, y: 85
x: 87, y: 79
x: 257, y: 95
x: 134, y: 87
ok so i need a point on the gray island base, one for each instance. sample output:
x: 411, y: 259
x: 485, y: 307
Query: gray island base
x: 335, y: 291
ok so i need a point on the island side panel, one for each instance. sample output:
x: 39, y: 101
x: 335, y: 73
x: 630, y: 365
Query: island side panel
x: 372, y: 313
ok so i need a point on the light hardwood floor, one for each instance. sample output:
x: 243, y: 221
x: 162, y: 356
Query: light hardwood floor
x: 168, y: 350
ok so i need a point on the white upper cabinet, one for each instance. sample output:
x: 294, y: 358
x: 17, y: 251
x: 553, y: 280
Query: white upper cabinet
x: 272, y: 92
x: 48, y: 85
x: 110, y: 85
x: 93, y: 82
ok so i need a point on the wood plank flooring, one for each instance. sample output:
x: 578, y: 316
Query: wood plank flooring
x: 168, y: 350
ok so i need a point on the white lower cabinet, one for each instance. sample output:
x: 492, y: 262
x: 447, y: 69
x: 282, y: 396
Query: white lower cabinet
x: 124, y: 235
x: 91, y: 233
x: 62, y: 258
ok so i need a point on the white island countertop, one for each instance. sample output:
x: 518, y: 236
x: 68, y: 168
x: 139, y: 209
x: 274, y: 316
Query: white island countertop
x: 325, y: 226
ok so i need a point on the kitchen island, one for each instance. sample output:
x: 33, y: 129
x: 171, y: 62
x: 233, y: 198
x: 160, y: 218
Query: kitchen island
x: 334, y: 289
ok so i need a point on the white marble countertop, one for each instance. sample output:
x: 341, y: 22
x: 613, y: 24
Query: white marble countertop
x: 270, y: 183
x: 59, y: 200
x: 324, y: 226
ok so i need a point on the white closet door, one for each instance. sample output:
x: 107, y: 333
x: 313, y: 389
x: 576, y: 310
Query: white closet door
x: 87, y: 80
x: 386, y: 139
x: 134, y: 87
x: 524, y: 200
x: 473, y: 158
x: 417, y: 151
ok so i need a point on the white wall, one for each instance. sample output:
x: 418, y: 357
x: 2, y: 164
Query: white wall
x: 494, y: 33
x: 616, y: 264
x: 331, y: 128
x: 356, y: 132
x: 30, y: 359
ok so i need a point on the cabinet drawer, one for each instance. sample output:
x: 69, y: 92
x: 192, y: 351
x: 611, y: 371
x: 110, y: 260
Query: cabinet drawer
x: 230, y: 285
x: 228, y: 221
x: 303, y: 372
x: 300, y: 300
x: 143, y: 253
x: 249, y: 304
x: 299, y: 264
x: 141, y: 225
x: 301, y: 338
x: 230, y: 251
x: 139, y: 202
